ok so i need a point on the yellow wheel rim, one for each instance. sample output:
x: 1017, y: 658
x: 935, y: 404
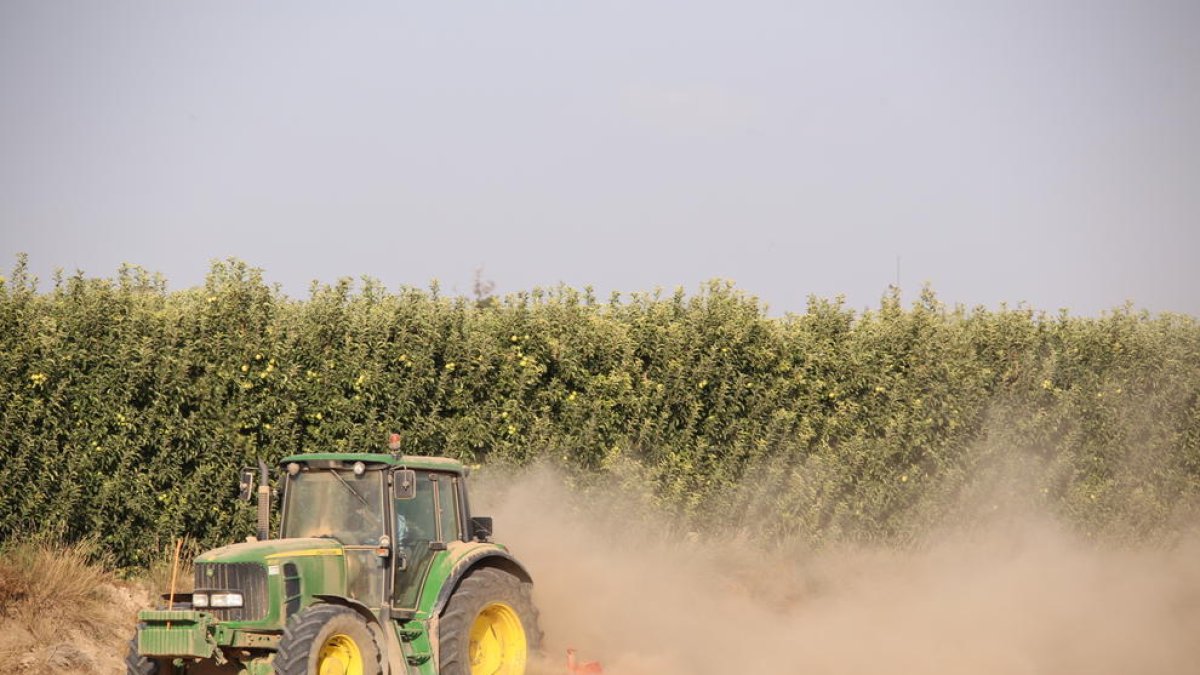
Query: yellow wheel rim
x: 497, y: 645
x: 340, y: 655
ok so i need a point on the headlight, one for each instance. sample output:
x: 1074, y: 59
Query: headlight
x: 226, y: 599
x: 215, y: 600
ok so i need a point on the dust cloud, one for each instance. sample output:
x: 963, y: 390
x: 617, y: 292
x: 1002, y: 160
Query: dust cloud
x: 1016, y: 597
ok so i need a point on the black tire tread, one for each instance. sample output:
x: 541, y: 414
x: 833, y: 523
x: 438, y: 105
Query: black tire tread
x: 478, y: 588
x: 302, y: 629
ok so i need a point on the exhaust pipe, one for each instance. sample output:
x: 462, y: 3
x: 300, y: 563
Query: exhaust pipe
x: 264, y: 502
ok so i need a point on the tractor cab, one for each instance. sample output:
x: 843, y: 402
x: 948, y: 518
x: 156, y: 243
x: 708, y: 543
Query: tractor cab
x: 390, y: 520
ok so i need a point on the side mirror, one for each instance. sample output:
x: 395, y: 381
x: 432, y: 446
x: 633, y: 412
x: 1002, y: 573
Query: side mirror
x: 405, y: 483
x: 481, y: 527
x: 246, y: 485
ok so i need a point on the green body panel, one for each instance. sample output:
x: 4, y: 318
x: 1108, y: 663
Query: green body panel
x: 406, y: 461
x: 272, y: 549
x: 175, y: 633
x: 319, y: 562
x: 260, y: 667
x: 448, y: 566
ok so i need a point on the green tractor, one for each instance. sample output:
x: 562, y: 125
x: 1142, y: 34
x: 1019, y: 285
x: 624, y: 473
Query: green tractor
x: 379, y: 569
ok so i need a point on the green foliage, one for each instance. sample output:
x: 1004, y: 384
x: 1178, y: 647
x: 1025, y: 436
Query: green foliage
x: 126, y: 410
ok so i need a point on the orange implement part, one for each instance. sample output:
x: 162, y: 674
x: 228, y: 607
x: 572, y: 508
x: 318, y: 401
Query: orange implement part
x: 582, y: 668
x: 174, y: 573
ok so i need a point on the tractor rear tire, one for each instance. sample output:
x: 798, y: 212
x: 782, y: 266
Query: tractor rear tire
x: 136, y: 664
x: 489, y: 626
x: 327, y: 636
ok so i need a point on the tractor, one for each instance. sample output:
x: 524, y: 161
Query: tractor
x: 379, y: 568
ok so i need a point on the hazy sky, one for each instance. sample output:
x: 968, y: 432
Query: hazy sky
x: 1041, y: 151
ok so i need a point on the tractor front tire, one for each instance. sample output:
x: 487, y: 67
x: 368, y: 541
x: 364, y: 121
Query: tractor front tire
x: 489, y: 626
x: 327, y: 638
x: 136, y: 664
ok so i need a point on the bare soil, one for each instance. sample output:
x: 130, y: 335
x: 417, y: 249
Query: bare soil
x: 60, y: 613
x: 1012, y: 596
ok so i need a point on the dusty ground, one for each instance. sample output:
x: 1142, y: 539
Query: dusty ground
x: 44, y: 644
x: 61, y: 614
x: 1017, y: 596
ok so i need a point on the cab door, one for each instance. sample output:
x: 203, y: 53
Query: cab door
x: 366, y: 530
x: 424, y: 523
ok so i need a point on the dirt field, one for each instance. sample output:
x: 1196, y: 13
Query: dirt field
x: 1017, y: 596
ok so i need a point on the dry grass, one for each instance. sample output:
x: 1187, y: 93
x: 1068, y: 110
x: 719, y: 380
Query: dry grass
x: 43, y: 577
x: 62, y: 609
x: 158, y: 577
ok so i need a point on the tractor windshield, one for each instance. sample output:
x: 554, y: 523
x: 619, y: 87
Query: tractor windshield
x: 336, y: 504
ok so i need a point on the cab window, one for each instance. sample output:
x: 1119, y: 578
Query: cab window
x: 448, y: 507
x: 336, y: 504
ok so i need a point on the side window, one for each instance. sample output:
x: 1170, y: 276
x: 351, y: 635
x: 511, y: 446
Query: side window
x: 448, y: 508
x: 415, y: 517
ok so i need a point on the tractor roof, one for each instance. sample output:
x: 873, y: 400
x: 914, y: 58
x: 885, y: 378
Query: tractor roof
x: 406, y: 461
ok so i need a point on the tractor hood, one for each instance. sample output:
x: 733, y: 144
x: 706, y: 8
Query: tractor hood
x: 273, y: 550
x: 268, y: 575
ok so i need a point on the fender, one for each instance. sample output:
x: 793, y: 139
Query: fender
x: 492, y: 556
x: 381, y: 637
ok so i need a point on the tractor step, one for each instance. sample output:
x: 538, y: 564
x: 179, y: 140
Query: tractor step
x: 418, y: 658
